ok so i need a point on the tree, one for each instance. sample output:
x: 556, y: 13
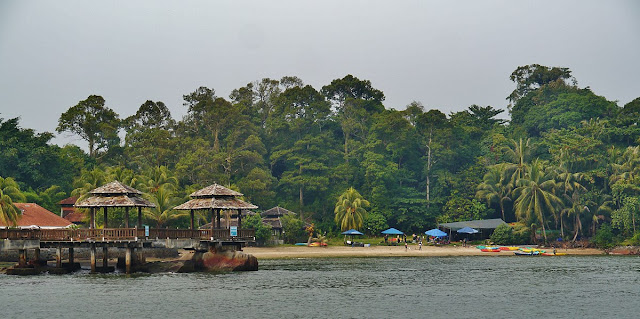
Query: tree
x: 93, y: 122
x: 263, y: 231
x: 350, y: 210
x: 534, y: 76
x: 292, y: 229
x: 517, y: 154
x: 9, y: 193
x: 535, y: 198
x: 495, y: 188
x: 163, y: 213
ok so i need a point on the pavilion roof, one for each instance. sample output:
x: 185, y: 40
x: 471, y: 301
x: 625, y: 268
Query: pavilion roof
x: 277, y: 211
x: 115, y: 187
x: 214, y: 191
x: 114, y: 194
x: 217, y: 203
x: 114, y: 201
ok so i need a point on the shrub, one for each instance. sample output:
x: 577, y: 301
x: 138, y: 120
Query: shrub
x: 604, y: 237
x: 502, y: 235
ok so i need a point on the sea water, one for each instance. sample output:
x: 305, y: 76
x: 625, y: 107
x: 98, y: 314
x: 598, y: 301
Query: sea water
x: 425, y: 287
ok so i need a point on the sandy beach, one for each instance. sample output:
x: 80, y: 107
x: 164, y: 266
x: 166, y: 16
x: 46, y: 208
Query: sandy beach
x: 385, y: 251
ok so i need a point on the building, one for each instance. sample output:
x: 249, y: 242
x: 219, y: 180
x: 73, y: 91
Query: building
x: 69, y: 212
x: 35, y: 216
x: 272, y: 217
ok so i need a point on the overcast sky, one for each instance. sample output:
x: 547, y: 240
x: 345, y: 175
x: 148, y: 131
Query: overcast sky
x: 445, y: 54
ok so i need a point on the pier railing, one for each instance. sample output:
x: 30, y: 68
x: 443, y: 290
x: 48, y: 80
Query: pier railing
x: 123, y: 234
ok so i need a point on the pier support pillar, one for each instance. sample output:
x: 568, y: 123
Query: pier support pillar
x: 71, y: 256
x: 93, y: 258
x: 105, y: 257
x: 36, y: 254
x: 59, y: 257
x: 22, y: 261
x: 128, y: 256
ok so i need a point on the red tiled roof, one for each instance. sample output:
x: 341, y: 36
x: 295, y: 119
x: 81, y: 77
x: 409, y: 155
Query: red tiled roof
x: 75, y: 217
x: 34, y: 214
x: 69, y: 201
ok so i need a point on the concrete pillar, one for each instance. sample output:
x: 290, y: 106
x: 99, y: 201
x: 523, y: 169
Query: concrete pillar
x: 191, y: 213
x: 36, y: 254
x: 22, y: 261
x: 105, y: 256
x: 59, y: 257
x: 92, y: 223
x: 106, y: 220
x: 126, y: 217
x: 93, y: 258
x: 128, y: 254
x: 139, y: 217
x: 71, y: 256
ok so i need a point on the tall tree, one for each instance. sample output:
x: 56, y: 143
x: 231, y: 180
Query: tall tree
x: 93, y: 122
x: 9, y: 193
x: 495, y: 188
x: 535, y: 198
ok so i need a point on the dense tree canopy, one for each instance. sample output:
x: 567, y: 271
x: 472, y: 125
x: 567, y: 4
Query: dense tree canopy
x: 567, y: 159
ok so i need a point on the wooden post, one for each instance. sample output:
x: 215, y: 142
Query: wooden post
x: 239, y: 219
x: 92, y: 223
x: 139, y: 217
x: 106, y: 221
x: 126, y: 217
x: 59, y: 257
x: 93, y: 257
x: 22, y: 261
x: 213, y: 221
x: 36, y: 254
x: 128, y: 259
x: 105, y: 257
x: 71, y: 256
x: 218, y: 217
x: 191, y: 213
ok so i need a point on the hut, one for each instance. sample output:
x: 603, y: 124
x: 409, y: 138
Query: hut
x: 216, y: 198
x: 272, y: 217
x: 114, y: 194
x: 68, y: 212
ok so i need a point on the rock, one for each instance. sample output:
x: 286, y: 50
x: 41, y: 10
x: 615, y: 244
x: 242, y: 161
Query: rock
x: 226, y: 260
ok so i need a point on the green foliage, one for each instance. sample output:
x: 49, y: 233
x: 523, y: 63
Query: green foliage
x: 293, y: 229
x: 503, y: 235
x: 605, y: 238
x: 460, y: 208
x: 263, y: 231
x: 374, y: 223
x: 350, y: 210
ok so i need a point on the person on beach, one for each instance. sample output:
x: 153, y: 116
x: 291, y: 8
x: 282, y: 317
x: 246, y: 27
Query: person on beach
x: 406, y: 246
x: 420, y: 245
x: 386, y: 239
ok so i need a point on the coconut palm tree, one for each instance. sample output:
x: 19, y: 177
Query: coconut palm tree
x: 569, y: 186
x: 165, y: 201
x: 158, y: 177
x: 9, y: 213
x: 495, y: 188
x: 517, y: 153
x: 535, y: 196
x: 350, y: 209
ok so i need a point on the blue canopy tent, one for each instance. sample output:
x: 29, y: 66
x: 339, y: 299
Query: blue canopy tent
x: 350, y: 232
x: 392, y: 231
x: 436, y: 233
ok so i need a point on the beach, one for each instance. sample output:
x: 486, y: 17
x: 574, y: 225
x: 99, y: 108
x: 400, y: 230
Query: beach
x: 281, y: 252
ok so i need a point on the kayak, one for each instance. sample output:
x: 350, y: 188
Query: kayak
x: 552, y: 254
x: 509, y: 248
x: 490, y: 250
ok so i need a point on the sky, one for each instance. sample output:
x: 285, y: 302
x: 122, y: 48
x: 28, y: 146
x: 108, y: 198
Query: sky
x: 447, y: 55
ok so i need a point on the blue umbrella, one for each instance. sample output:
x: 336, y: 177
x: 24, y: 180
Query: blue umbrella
x: 392, y: 231
x: 352, y: 232
x: 467, y: 230
x: 436, y: 233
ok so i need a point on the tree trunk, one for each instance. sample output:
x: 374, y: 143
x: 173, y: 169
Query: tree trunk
x: 301, y: 203
x: 429, y: 171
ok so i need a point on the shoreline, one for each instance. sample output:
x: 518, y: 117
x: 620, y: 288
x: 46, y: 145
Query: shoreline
x: 287, y: 252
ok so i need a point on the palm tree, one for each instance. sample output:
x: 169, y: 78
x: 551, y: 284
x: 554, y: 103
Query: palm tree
x: 495, y: 188
x: 517, y: 153
x: 569, y: 184
x: 163, y: 212
x: 8, y: 212
x: 350, y: 210
x: 157, y: 177
x: 88, y: 181
x: 535, y: 196
x: 9, y: 193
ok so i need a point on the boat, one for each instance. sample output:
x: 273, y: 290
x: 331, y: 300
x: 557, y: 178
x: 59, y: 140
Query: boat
x: 522, y: 253
x: 490, y: 250
x: 552, y: 254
